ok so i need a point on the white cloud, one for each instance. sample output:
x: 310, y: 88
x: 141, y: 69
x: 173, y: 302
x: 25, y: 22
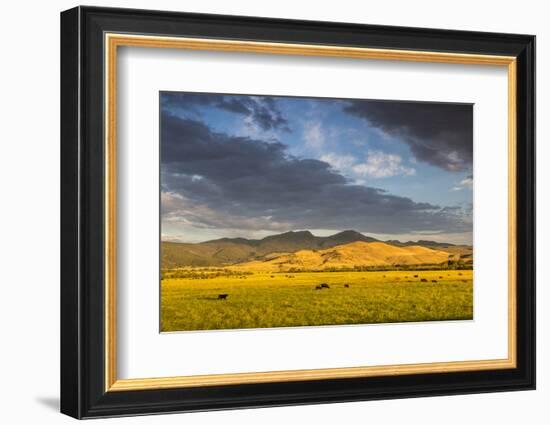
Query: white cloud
x: 313, y: 134
x: 380, y: 165
x: 466, y: 183
x: 339, y: 162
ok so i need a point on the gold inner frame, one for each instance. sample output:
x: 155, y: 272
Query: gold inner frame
x: 113, y: 41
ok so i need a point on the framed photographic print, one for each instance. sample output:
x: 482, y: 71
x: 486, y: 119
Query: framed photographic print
x: 261, y: 212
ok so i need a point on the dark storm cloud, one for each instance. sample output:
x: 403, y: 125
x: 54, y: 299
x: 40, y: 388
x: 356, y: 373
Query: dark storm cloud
x: 261, y: 110
x: 215, y: 177
x: 440, y: 134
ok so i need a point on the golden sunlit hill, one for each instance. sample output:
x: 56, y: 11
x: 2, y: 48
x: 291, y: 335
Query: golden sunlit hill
x: 355, y: 254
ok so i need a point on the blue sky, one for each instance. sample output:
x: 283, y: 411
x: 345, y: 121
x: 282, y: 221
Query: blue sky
x: 362, y: 162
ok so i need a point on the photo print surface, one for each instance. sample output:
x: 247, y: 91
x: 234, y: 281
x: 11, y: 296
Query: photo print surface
x: 284, y: 211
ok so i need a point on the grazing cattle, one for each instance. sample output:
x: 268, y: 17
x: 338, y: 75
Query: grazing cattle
x: 324, y: 285
x: 415, y: 275
x: 423, y: 280
x: 346, y: 285
x: 318, y: 287
x: 434, y: 281
x: 223, y: 296
x: 441, y: 277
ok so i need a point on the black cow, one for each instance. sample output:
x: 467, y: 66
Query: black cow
x: 324, y: 285
x: 223, y: 296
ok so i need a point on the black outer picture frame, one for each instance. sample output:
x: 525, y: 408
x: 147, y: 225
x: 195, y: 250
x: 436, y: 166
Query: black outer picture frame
x: 82, y: 218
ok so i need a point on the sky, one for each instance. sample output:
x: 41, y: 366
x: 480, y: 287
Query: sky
x: 252, y: 166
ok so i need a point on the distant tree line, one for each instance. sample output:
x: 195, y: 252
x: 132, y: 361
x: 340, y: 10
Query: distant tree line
x: 200, y: 274
x: 450, y: 265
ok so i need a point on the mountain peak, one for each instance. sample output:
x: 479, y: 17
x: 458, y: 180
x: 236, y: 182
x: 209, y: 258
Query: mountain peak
x: 299, y: 233
x: 231, y: 240
x: 348, y: 233
x: 291, y: 235
x: 348, y: 236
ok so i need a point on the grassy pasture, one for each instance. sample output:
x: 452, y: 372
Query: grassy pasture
x: 266, y: 300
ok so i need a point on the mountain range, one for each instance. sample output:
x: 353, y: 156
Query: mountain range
x: 302, y: 247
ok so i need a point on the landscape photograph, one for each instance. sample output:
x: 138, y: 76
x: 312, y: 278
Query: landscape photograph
x: 281, y: 211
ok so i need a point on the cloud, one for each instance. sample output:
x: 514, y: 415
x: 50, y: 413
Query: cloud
x: 380, y: 164
x: 440, y: 134
x: 466, y: 183
x: 377, y: 165
x: 314, y: 137
x: 214, y: 180
x: 259, y: 110
x: 338, y: 162
x: 176, y: 208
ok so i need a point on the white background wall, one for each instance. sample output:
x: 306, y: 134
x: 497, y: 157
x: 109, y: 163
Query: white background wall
x: 29, y: 212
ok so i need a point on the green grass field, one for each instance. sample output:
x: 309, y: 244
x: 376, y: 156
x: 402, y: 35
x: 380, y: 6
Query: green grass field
x: 267, y: 300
